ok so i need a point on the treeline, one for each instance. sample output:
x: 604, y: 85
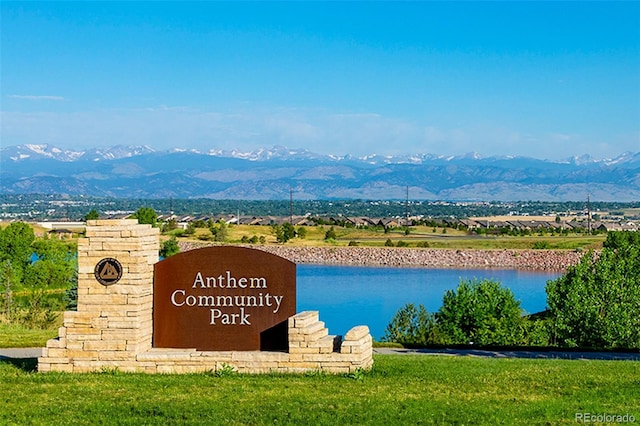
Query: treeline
x: 50, y: 207
x: 34, y: 273
x: 595, y: 304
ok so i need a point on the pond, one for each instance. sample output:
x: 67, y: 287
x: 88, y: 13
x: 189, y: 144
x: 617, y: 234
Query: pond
x: 347, y: 296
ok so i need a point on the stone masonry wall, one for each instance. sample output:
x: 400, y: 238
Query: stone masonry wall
x: 112, y: 323
x: 113, y: 326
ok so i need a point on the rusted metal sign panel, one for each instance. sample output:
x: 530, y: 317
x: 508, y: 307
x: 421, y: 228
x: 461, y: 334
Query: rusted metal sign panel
x: 223, y: 298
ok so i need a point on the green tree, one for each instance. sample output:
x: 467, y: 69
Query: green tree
x: 283, y: 233
x: 289, y: 231
x: 596, y: 303
x: 301, y: 232
x: 330, y: 234
x: 480, y: 312
x: 47, y: 274
x: 8, y: 281
x: 15, y: 245
x: 169, y: 247
x: 146, y: 215
x: 220, y: 231
x: 55, y: 267
x: 56, y: 251
x: 278, y: 232
x: 92, y: 215
x: 412, y: 326
x: 172, y: 225
x: 70, y: 297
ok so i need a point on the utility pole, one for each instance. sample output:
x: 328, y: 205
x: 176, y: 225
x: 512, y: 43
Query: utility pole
x: 589, y: 213
x: 291, y: 205
x: 406, y: 205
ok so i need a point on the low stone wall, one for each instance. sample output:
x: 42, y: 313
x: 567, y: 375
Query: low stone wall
x: 543, y: 260
x: 311, y: 348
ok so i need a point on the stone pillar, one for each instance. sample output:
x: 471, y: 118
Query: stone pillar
x: 113, y: 322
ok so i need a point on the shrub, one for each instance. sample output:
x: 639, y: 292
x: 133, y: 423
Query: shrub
x: 480, y: 312
x: 536, y: 332
x: 412, y: 326
x: 596, y: 303
x: 389, y: 243
x: 330, y: 234
x: 301, y: 232
x: 541, y: 245
x: 169, y: 247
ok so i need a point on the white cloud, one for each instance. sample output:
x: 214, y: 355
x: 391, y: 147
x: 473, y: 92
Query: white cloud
x: 38, y: 97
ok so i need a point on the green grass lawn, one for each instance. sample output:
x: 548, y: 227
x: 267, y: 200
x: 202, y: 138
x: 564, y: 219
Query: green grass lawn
x: 401, y: 389
x: 17, y: 336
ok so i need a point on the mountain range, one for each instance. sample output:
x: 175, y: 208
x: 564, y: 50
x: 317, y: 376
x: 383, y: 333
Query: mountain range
x: 278, y: 172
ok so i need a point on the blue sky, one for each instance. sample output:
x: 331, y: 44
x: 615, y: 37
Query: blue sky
x: 540, y: 79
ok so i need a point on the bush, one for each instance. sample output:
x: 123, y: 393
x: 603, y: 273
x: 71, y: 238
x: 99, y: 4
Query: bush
x: 220, y: 231
x: 169, y: 247
x: 596, y: 303
x: 146, y: 215
x: 330, y: 234
x: 541, y: 245
x: 389, y: 243
x: 480, y: 312
x: 301, y: 232
x: 536, y: 332
x: 477, y: 312
x: 412, y: 326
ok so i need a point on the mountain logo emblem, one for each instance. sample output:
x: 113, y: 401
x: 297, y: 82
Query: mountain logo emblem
x: 108, y: 271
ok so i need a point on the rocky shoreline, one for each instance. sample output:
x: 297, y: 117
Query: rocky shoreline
x: 540, y: 260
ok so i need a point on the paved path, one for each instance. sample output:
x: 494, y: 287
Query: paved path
x: 21, y: 353
x: 626, y: 356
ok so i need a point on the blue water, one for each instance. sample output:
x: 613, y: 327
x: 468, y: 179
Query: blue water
x: 347, y: 296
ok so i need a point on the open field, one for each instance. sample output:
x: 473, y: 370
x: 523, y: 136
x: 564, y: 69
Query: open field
x: 434, y: 237
x: 399, y: 390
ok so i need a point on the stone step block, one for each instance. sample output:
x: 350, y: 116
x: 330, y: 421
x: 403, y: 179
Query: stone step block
x: 303, y: 319
x: 312, y: 328
x: 326, y: 344
x: 357, y: 332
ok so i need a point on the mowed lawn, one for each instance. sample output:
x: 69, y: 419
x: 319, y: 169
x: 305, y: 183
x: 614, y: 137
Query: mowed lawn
x: 401, y: 389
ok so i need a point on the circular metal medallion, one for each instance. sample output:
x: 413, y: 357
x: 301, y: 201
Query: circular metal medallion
x: 108, y: 271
